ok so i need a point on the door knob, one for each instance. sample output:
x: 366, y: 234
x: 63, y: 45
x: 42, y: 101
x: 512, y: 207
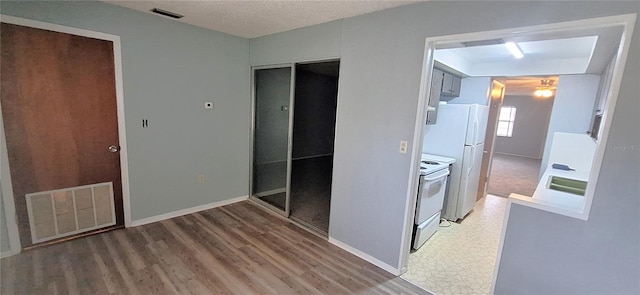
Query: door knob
x: 114, y: 149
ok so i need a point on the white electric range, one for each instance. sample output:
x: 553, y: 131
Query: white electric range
x: 434, y: 171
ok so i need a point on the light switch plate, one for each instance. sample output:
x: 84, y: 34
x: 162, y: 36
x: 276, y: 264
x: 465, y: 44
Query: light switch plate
x: 208, y: 105
x: 403, y: 147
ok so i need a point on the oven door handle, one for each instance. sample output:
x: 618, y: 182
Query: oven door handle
x: 437, y: 175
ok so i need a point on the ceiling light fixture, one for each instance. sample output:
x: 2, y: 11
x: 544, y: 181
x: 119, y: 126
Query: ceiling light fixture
x: 545, y: 89
x: 514, y: 49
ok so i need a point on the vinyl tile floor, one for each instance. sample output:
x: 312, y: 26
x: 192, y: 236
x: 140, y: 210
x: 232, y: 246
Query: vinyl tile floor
x: 460, y: 259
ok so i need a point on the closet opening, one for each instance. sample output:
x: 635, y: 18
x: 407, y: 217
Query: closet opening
x: 294, y: 115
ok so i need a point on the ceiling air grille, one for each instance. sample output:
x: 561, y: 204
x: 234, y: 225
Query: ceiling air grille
x: 167, y: 13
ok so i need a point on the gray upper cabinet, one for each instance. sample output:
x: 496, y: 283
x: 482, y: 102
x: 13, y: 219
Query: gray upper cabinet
x: 451, y: 85
x: 434, y: 96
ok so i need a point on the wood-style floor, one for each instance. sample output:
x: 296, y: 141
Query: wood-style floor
x: 235, y: 249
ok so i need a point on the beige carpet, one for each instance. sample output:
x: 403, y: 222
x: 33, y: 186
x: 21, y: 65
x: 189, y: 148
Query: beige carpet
x: 513, y: 174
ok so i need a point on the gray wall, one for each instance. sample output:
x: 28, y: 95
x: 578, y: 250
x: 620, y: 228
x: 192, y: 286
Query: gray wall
x: 572, y: 108
x: 313, y: 43
x: 169, y: 70
x: 377, y: 98
x: 530, y: 128
x: 378, y: 93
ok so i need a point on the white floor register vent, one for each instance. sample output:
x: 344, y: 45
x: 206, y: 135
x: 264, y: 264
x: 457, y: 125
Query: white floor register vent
x: 64, y: 212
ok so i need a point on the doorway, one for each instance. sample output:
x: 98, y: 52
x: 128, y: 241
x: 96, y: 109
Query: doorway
x: 61, y: 111
x: 519, y: 142
x: 460, y: 242
x: 495, y: 104
x: 293, y: 140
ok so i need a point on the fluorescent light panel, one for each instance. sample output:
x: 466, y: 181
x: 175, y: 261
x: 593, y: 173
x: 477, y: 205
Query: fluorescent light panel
x: 514, y: 49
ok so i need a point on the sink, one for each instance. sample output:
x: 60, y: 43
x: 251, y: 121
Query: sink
x: 568, y: 185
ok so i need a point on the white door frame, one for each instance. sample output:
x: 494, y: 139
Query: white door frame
x: 626, y: 21
x: 7, y: 189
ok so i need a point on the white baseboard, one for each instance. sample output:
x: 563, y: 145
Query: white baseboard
x: 173, y: 214
x: 521, y: 156
x: 8, y: 253
x: 365, y: 256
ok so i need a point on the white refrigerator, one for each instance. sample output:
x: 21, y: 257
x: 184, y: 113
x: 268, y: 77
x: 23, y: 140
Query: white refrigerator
x: 459, y: 133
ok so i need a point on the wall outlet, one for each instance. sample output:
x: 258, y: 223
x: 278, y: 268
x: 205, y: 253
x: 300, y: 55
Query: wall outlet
x: 403, y: 146
x: 208, y: 105
x: 201, y: 178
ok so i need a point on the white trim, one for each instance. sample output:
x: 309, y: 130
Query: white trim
x: 122, y: 133
x: 416, y: 155
x: 365, y: 256
x: 627, y: 21
x: 8, y: 201
x: 514, y: 155
x: 191, y: 210
x: 117, y: 58
x: 55, y: 27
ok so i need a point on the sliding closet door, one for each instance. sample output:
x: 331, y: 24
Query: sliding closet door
x: 271, y: 136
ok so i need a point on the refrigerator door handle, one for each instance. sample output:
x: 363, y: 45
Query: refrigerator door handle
x: 475, y: 131
x: 472, y: 162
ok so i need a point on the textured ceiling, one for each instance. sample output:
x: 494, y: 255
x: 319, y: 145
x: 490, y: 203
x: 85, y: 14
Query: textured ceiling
x: 252, y: 19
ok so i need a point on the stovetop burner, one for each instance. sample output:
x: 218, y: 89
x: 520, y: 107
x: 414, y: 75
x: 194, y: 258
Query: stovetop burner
x: 427, y: 167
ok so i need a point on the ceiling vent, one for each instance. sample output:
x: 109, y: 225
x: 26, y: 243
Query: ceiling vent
x: 483, y: 42
x: 167, y: 13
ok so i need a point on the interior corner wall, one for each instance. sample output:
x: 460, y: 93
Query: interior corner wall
x: 529, y: 129
x: 380, y: 72
x: 170, y: 69
x: 314, y: 43
x: 572, y: 108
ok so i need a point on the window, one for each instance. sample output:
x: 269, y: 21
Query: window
x: 505, y: 121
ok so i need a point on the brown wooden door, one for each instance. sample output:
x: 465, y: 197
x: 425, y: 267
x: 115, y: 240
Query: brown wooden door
x: 497, y: 95
x: 58, y: 103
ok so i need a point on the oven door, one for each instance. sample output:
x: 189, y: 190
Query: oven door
x: 425, y: 230
x: 431, y: 194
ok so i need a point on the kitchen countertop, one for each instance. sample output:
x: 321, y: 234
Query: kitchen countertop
x: 575, y: 150
x: 555, y: 201
x: 563, y: 200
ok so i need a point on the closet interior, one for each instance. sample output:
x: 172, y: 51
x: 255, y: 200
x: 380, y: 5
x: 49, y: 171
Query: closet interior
x: 294, y: 114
